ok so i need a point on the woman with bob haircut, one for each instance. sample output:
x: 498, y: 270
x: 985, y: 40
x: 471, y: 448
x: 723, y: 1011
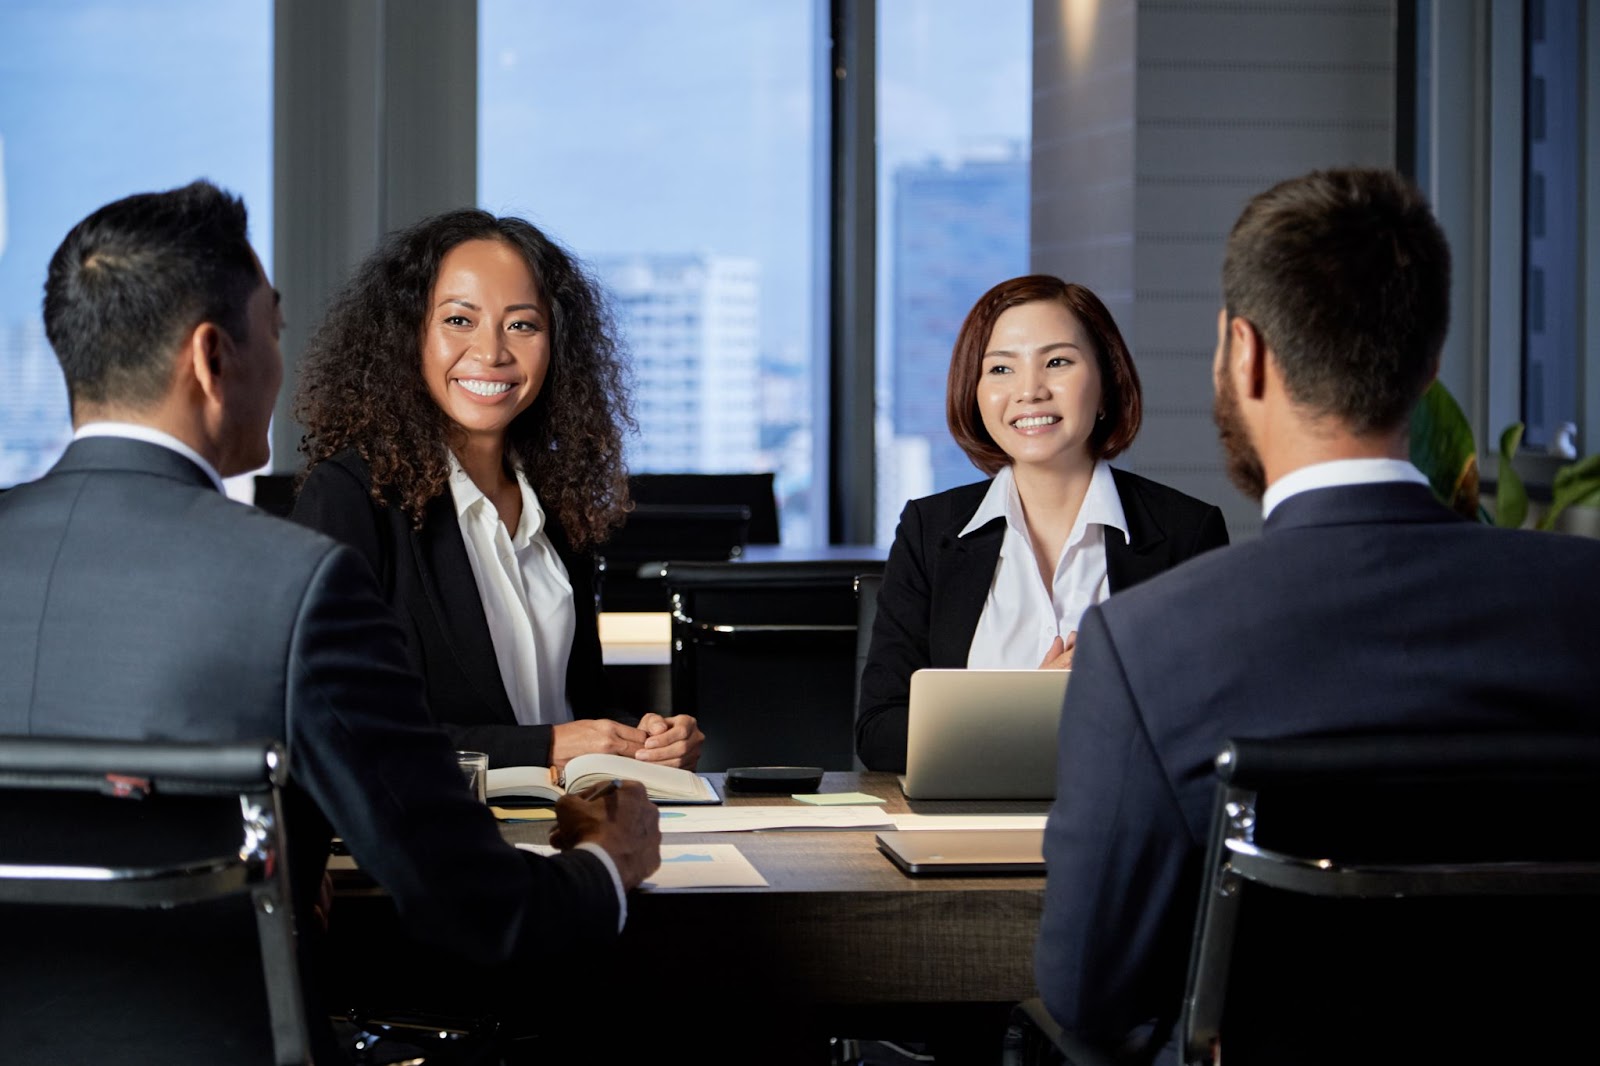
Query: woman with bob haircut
x: 1042, y: 391
x: 464, y: 405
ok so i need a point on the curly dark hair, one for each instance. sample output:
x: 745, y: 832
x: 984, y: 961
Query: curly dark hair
x: 361, y: 383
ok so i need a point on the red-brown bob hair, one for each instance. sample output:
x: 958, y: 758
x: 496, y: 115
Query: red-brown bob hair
x: 1119, y: 381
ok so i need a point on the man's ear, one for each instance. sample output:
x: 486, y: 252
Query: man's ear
x: 1247, y: 359
x: 207, y: 347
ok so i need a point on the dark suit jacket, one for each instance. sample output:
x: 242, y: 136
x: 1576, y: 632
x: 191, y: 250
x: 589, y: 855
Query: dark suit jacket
x: 138, y: 602
x: 426, y: 577
x: 1360, y: 608
x: 935, y: 584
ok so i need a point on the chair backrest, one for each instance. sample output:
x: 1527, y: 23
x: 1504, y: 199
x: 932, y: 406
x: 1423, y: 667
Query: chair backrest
x: 1399, y: 899
x: 866, y: 613
x: 275, y: 493
x: 145, y: 908
x: 753, y: 491
x: 656, y: 533
x: 764, y: 655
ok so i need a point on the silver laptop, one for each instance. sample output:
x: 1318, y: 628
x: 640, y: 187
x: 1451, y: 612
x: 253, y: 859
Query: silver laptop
x: 983, y: 734
x: 965, y: 851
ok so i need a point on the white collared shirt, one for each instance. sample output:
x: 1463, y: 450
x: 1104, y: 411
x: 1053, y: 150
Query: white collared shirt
x: 150, y: 435
x: 1335, y: 473
x: 527, y: 598
x: 1021, y: 616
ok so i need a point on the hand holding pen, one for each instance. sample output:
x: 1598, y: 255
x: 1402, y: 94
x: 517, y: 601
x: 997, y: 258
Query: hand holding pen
x: 618, y: 816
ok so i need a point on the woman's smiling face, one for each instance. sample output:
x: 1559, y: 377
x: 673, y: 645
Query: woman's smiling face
x: 1039, y: 389
x: 486, y: 340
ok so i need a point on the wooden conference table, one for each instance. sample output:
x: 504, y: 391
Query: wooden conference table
x: 838, y: 925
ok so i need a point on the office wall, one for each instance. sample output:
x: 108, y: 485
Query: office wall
x: 1153, y: 122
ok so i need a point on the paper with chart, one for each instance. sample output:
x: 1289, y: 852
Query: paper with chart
x: 692, y: 866
x: 749, y: 819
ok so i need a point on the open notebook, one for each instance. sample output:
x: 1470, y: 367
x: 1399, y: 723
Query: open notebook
x: 664, y: 784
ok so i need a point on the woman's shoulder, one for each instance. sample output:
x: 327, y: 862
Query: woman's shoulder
x: 342, y: 479
x: 344, y: 464
x: 1161, y: 498
x: 930, y: 519
x: 1153, y: 509
x: 963, y: 499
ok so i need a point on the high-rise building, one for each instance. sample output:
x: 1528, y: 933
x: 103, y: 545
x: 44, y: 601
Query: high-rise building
x: 35, y: 426
x: 692, y: 325
x: 958, y: 230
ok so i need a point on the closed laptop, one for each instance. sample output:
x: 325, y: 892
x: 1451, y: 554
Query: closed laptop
x: 956, y: 852
x: 983, y: 734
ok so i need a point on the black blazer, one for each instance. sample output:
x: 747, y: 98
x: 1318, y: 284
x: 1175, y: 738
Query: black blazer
x: 935, y: 584
x: 426, y: 577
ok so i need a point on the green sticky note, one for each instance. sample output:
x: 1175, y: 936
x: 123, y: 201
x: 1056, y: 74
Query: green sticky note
x: 839, y: 799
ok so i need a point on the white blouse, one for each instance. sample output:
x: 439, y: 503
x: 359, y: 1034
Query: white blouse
x: 527, y: 598
x: 1021, y: 616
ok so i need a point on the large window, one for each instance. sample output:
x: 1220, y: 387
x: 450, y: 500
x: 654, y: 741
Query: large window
x: 954, y: 111
x: 1507, y: 95
x: 1552, y: 245
x: 670, y: 146
x: 97, y: 101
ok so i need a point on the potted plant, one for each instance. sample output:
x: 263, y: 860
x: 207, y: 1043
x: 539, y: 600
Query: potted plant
x: 1442, y: 447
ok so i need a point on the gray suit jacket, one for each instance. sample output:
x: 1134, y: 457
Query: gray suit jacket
x: 137, y: 602
x: 1360, y: 609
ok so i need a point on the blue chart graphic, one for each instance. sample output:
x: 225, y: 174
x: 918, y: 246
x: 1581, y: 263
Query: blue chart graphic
x: 699, y: 857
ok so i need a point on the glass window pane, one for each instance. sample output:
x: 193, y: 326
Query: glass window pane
x: 954, y: 115
x: 98, y: 101
x: 670, y: 146
x: 1552, y: 201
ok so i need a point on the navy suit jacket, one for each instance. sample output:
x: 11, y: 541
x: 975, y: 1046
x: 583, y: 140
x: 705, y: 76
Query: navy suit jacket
x: 137, y: 602
x: 1360, y: 608
x: 426, y: 577
x: 935, y: 584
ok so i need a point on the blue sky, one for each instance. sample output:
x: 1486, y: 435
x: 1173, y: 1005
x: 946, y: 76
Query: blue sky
x: 660, y: 126
x: 102, y: 99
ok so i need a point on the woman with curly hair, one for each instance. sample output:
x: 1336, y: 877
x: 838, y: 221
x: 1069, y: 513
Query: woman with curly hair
x: 464, y: 404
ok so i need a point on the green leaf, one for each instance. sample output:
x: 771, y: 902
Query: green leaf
x: 1510, y: 494
x: 1442, y: 448
x: 1577, y: 483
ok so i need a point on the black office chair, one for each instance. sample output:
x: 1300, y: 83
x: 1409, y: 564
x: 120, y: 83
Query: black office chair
x: 1399, y: 899
x: 763, y: 654
x: 754, y: 492
x: 145, y: 910
x: 275, y: 493
x: 866, y: 613
x: 655, y: 533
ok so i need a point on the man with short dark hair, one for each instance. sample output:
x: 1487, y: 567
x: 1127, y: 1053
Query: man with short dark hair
x: 1364, y: 605
x: 137, y: 601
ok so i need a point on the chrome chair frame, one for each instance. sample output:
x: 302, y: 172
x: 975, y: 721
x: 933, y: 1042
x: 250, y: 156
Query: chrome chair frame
x: 255, y: 771
x: 1234, y: 857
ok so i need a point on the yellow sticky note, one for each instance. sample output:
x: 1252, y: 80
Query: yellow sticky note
x: 839, y: 799
x: 524, y: 814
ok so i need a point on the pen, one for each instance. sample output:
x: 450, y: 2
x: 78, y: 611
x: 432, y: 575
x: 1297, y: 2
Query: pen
x: 601, y: 790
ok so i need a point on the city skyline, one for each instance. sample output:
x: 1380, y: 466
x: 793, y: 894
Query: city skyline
x: 719, y: 163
